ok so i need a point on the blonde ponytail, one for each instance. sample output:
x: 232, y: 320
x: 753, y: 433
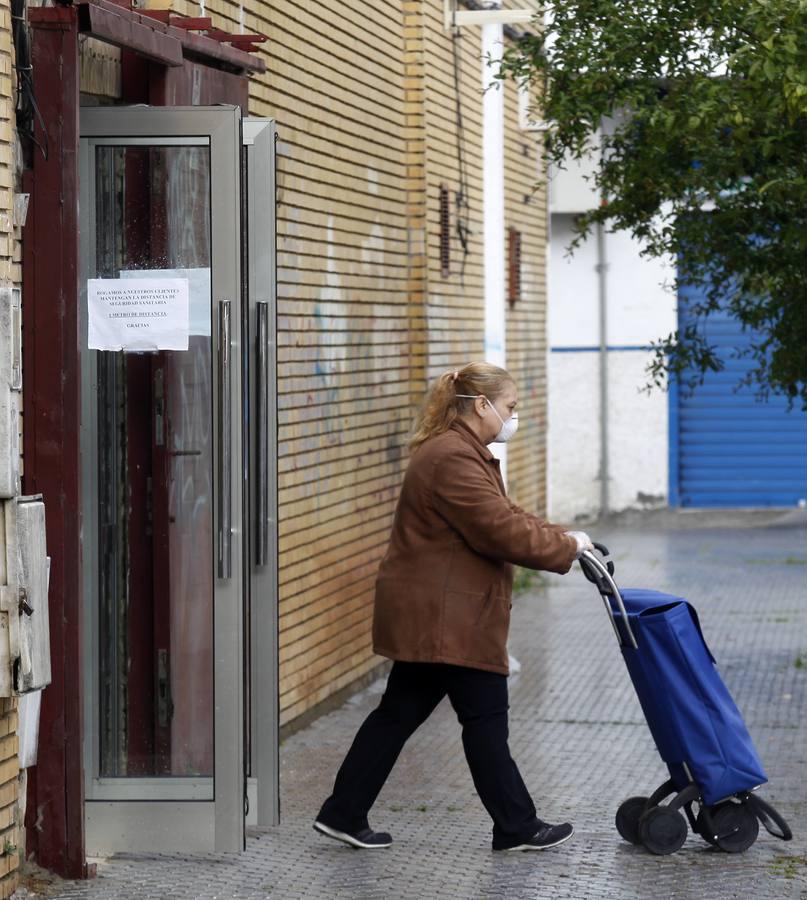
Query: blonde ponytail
x: 443, y: 406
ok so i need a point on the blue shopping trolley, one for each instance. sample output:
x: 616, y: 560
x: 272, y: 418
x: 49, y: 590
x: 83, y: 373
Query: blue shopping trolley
x: 696, y: 725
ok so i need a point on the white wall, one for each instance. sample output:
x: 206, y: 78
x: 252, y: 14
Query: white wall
x: 573, y: 441
x: 571, y: 189
x: 639, y: 310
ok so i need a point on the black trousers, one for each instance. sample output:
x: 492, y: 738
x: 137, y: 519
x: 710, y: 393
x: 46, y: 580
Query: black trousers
x: 413, y: 691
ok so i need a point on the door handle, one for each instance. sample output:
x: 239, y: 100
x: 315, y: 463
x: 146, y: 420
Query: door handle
x: 225, y: 443
x: 262, y: 434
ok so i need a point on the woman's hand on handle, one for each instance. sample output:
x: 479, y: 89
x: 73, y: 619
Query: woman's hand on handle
x: 583, y: 542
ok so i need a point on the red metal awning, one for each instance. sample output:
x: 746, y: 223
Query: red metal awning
x: 168, y: 38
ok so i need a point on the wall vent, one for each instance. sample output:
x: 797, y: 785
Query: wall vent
x: 445, y: 232
x: 513, y: 265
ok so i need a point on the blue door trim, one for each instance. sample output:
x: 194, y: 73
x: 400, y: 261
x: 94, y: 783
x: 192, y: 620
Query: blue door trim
x: 590, y: 348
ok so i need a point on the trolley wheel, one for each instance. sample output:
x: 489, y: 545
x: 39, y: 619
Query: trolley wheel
x: 627, y: 818
x: 662, y: 830
x: 738, y: 823
x: 700, y: 826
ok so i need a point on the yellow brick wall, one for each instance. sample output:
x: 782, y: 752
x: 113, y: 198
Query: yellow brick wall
x: 419, y: 240
x: 526, y: 210
x: 364, y: 96
x: 10, y: 826
x: 10, y: 271
x: 455, y: 308
x: 99, y: 67
x: 10, y: 274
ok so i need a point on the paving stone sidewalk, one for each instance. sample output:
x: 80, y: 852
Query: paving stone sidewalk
x: 578, y: 735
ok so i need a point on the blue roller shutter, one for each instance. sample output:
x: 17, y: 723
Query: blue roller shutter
x: 732, y: 449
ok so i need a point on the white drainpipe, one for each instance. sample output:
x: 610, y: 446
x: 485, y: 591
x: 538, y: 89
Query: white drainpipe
x: 493, y: 210
x: 602, y: 284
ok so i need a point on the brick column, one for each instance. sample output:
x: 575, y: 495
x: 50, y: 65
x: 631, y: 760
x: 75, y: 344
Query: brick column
x: 10, y: 838
x: 416, y: 200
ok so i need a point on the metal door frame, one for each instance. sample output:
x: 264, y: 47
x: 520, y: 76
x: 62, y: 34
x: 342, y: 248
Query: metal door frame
x: 260, y: 137
x: 133, y: 813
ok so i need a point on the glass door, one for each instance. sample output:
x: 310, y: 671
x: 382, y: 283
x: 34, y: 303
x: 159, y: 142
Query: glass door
x: 163, y: 408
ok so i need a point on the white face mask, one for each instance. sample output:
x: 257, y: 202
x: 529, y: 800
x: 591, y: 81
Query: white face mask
x: 508, y: 429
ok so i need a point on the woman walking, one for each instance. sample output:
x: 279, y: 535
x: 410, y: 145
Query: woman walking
x: 442, y: 611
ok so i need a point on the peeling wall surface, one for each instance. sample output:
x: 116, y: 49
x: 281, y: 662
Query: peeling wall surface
x: 639, y: 310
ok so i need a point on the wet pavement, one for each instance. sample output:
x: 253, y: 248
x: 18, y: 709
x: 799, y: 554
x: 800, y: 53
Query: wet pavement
x: 578, y: 735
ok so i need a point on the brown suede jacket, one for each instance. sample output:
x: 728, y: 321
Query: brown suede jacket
x: 444, y: 585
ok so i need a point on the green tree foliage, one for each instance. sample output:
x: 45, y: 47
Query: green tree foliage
x: 703, y: 158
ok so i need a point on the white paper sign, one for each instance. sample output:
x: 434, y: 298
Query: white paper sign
x: 138, y: 313
x: 198, y: 286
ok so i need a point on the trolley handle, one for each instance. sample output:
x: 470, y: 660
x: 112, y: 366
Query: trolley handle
x: 608, y: 563
x: 600, y: 572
